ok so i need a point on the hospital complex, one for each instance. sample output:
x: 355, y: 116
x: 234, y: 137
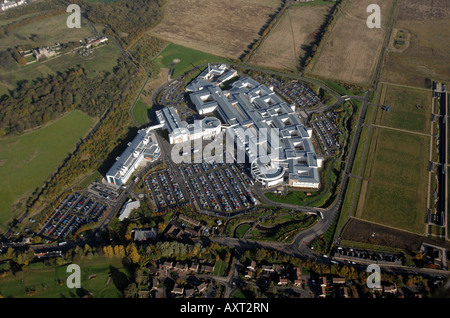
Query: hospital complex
x: 277, y: 145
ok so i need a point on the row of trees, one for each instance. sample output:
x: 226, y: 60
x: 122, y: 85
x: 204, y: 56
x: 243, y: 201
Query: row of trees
x: 125, y: 20
x: 265, y: 30
x: 321, y: 34
x: 146, y: 48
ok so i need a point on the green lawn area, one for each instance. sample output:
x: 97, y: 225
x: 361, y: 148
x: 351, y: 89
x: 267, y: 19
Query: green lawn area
x: 357, y: 162
x: 397, y: 170
x: 403, y: 112
x: 27, y: 160
x: 188, y: 58
x: 242, y: 229
x: 50, y: 281
x: 140, y: 112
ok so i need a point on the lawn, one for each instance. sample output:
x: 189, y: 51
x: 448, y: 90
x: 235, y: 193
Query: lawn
x: 242, y: 229
x: 50, y: 281
x: 140, y: 112
x: 27, y: 160
x: 189, y: 58
x: 409, y: 109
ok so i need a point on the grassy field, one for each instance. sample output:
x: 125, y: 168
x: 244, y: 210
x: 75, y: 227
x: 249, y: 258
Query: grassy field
x: 188, y: 59
x: 397, y: 173
x: 140, y: 112
x: 102, y: 59
x: 426, y: 50
x: 350, y: 52
x: 27, y: 160
x: 50, y: 281
x: 49, y: 31
x: 409, y: 109
x: 283, y: 46
x: 223, y: 28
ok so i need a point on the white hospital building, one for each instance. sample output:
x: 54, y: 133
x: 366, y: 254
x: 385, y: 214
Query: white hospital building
x: 143, y: 149
x: 248, y: 109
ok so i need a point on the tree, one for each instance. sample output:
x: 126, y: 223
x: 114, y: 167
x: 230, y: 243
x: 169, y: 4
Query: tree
x: 130, y: 291
x: 133, y: 253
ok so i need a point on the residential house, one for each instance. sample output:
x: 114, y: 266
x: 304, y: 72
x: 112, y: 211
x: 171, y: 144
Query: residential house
x: 178, y: 290
x: 194, y: 267
x: 344, y: 292
x: 268, y: 268
x: 207, y: 269
x: 323, y: 281
x: 190, y: 292
x: 181, y: 267
x: 338, y: 280
x: 202, y: 287
x: 283, y: 282
x: 167, y: 265
x: 252, y: 266
x: 390, y: 289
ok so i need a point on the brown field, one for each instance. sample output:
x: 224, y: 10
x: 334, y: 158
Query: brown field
x: 219, y: 27
x: 351, y: 51
x: 428, y: 50
x: 361, y: 231
x: 282, y: 47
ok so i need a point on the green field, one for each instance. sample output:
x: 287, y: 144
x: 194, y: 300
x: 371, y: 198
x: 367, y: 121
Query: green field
x: 140, y: 112
x: 27, y: 160
x: 50, y: 281
x: 102, y: 59
x: 49, y: 31
x: 188, y: 59
x: 397, y: 171
x: 403, y: 113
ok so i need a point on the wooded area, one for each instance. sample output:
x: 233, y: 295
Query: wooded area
x: 36, y: 102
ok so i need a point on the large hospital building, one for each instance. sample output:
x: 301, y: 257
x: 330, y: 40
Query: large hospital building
x: 255, y: 109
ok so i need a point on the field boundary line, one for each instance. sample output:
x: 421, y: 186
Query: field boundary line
x: 401, y: 130
x: 387, y: 226
x: 406, y: 86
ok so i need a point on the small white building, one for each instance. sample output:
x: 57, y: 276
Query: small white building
x: 127, y: 208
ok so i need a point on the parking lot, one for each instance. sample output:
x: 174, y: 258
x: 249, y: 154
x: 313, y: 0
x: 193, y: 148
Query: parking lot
x: 164, y: 191
x: 214, y: 187
x: 293, y: 91
x: 173, y: 95
x: 73, y: 211
x: 326, y: 132
x: 218, y: 187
